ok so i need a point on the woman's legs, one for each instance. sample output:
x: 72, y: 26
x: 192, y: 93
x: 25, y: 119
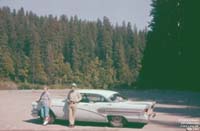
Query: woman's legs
x: 46, y: 110
x: 45, y: 114
x: 42, y: 112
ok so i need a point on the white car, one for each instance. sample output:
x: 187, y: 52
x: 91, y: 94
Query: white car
x: 101, y: 106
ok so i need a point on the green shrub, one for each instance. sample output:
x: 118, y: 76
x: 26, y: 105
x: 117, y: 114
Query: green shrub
x: 26, y: 86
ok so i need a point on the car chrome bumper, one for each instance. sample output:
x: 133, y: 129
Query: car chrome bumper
x: 34, y: 113
x: 138, y: 119
x: 144, y: 121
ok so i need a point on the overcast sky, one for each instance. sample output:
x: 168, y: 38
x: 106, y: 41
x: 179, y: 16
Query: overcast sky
x: 134, y: 11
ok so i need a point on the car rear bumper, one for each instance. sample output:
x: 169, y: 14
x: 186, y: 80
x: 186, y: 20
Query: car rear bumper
x: 144, y: 121
x: 137, y: 119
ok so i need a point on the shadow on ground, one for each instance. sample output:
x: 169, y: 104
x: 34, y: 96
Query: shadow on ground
x: 94, y: 124
x: 34, y: 121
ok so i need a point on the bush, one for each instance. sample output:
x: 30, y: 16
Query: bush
x: 26, y: 86
x: 57, y: 86
x: 8, y: 85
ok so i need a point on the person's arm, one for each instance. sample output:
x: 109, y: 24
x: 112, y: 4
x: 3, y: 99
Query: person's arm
x: 79, y: 97
x: 40, y: 97
x: 68, y: 97
x: 49, y: 97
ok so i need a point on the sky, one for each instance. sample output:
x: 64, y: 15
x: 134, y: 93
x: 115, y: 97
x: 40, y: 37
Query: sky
x: 134, y: 11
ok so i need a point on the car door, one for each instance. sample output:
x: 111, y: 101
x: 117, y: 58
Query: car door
x: 59, y: 108
x: 83, y: 109
x: 89, y: 106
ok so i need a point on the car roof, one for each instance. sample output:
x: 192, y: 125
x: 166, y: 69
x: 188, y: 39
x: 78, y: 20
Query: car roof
x: 105, y: 93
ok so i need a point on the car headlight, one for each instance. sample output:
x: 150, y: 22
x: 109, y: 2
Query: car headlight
x: 34, y: 106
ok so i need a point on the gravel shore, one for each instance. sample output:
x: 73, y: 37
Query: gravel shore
x: 173, y: 108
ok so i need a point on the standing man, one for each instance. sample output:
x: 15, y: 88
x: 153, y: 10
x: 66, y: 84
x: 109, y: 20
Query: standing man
x: 73, y: 98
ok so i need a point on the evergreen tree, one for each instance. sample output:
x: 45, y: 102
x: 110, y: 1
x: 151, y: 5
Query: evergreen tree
x: 170, y: 59
x: 51, y: 50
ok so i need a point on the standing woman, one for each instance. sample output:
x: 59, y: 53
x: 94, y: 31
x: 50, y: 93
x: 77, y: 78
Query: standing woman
x: 45, y: 101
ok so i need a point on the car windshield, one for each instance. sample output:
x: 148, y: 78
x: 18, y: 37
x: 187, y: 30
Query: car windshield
x: 118, y: 98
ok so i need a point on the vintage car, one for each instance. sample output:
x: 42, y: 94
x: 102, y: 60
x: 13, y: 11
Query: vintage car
x: 101, y: 106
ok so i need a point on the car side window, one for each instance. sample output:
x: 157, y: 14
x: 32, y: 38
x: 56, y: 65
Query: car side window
x: 117, y: 98
x: 84, y: 98
x: 96, y: 98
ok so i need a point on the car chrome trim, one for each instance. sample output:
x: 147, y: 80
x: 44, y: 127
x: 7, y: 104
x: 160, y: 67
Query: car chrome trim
x: 92, y: 112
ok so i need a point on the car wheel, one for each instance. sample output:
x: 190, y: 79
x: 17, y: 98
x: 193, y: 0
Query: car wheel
x: 117, y: 121
x: 41, y: 118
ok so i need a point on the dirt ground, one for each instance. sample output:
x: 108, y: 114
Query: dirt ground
x: 174, y: 109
